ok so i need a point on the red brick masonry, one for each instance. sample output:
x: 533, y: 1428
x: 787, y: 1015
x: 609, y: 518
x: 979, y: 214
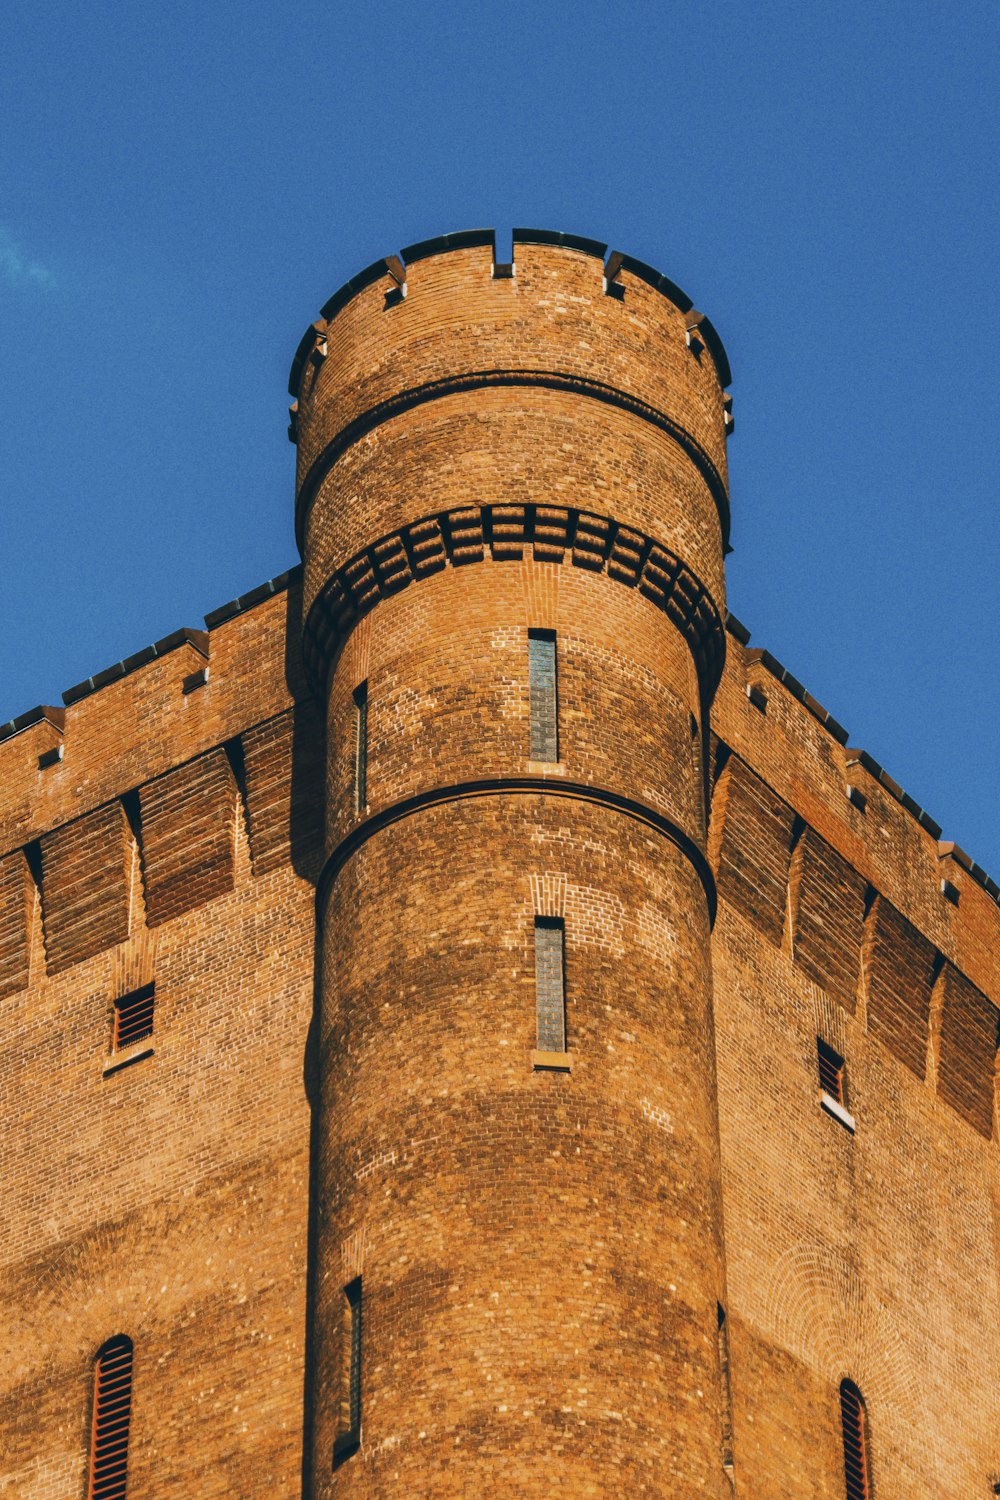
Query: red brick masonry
x: 343, y: 1079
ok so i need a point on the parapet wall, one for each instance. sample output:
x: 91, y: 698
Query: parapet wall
x: 816, y: 845
x: 133, y: 797
x: 444, y: 403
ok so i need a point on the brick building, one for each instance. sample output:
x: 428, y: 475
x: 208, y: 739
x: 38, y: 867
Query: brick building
x: 471, y: 1023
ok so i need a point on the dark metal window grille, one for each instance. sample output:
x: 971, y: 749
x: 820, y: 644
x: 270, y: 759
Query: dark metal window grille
x: 112, y: 1415
x: 543, y: 698
x: 831, y: 1070
x: 134, y: 1017
x: 550, y: 985
x: 856, y: 1458
x: 361, y: 747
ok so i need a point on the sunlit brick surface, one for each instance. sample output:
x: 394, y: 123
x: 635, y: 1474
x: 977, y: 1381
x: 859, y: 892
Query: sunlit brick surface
x: 648, y: 1266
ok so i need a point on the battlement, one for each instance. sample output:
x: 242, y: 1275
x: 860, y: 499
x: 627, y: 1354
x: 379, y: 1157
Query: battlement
x: 390, y: 270
x: 763, y: 659
x: 411, y: 338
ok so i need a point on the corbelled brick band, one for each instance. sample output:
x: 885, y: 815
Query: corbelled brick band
x: 547, y: 462
x: 554, y: 534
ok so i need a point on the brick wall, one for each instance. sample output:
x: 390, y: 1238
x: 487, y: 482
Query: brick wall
x: 163, y: 1191
x: 543, y: 1243
x: 870, y: 1255
x: 578, y: 492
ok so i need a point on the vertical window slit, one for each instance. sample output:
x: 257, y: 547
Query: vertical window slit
x: 726, y: 1405
x: 543, y: 695
x: 350, y: 1440
x: 361, y: 747
x: 857, y: 1472
x: 550, y: 985
x: 112, y: 1416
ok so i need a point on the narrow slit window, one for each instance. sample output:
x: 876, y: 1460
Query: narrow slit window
x: 831, y: 1072
x: 543, y: 696
x: 550, y: 985
x: 361, y: 747
x: 134, y: 1017
x: 349, y: 1441
x: 112, y: 1417
x: 727, y: 1393
x: 857, y: 1459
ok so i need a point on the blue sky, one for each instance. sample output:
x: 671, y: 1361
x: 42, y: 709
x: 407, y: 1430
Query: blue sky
x: 182, y: 186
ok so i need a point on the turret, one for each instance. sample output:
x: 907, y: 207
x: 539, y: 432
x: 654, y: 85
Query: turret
x: 512, y: 510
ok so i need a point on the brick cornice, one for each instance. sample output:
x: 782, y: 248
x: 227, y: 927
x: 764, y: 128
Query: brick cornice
x: 554, y: 380
x: 556, y: 534
x: 515, y: 786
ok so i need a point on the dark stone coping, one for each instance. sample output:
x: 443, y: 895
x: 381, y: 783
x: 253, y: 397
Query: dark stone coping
x: 871, y: 765
x: 463, y: 239
x: 350, y: 289
x: 196, y: 638
x: 306, y: 345
x: 435, y: 390
x: 737, y: 628
x: 514, y: 786
x: 255, y: 596
x: 44, y: 713
x: 658, y: 282
x: 948, y: 850
x: 713, y: 343
x: 468, y: 238
x: 556, y: 237
x: 796, y: 689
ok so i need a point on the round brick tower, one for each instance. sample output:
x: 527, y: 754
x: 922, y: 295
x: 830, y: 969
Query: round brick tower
x: 512, y: 511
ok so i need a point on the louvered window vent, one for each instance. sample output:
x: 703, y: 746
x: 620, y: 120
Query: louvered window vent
x: 112, y: 1416
x: 133, y: 1017
x: 831, y: 1071
x: 857, y: 1473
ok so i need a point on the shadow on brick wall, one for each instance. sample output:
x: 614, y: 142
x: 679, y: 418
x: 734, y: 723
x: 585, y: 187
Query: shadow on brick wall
x: 306, y: 835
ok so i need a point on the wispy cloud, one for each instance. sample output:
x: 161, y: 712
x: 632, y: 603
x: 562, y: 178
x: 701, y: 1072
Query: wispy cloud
x: 17, y: 268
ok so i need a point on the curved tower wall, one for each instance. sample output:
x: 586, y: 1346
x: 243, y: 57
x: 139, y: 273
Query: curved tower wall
x: 539, y: 1247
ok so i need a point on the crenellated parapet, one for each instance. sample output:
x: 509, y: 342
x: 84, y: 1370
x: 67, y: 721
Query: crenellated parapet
x: 564, y: 1055
x: 382, y: 379
x: 832, y: 863
x: 164, y: 768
